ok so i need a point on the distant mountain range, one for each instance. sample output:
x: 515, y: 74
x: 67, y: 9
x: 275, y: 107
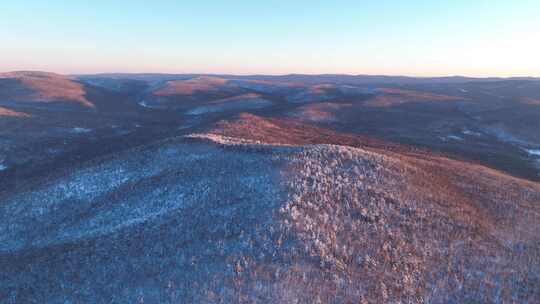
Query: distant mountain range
x: 312, y: 79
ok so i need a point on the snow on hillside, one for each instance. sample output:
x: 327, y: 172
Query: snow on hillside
x: 535, y: 152
x: 3, y: 166
x: 80, y: 130
x: 208, y: 219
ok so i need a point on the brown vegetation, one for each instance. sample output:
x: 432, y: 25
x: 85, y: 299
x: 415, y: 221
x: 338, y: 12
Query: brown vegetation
x: 11, y: 113
x: 283, y: 131
x: 191, y: 86
x: 42, y: 87
x: 531, y: 101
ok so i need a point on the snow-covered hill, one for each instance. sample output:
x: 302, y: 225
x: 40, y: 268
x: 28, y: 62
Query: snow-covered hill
x: 215, y: 219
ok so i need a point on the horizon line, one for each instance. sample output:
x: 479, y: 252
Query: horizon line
x: 274, y: 74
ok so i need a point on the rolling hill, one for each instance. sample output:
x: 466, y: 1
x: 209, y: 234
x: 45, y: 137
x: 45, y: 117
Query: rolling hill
x: 39, y: 87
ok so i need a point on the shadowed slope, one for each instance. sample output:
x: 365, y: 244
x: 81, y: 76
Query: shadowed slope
x: 236, y: 103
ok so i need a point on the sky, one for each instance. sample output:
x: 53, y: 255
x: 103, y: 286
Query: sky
x: 409, y: 37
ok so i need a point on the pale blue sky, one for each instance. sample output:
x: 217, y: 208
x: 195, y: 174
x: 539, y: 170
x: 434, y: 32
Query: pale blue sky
x: 423, y: 38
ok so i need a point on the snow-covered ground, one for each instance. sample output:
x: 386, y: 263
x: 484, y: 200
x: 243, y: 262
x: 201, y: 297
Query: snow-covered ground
x: 210, y: 219
x: 91, y: 185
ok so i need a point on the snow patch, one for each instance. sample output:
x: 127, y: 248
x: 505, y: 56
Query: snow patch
x: 534, y: 152
x: 451, y: 137
x: 504, y: 136
x: 3, y: 166
x: 79, y: 130
x: 471, y: 133
x: 144, y: 104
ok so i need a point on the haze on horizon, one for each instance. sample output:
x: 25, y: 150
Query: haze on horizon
x: 416, y: 38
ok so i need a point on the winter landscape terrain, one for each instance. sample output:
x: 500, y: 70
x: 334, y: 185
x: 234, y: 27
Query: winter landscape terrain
x: 162, y: 188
